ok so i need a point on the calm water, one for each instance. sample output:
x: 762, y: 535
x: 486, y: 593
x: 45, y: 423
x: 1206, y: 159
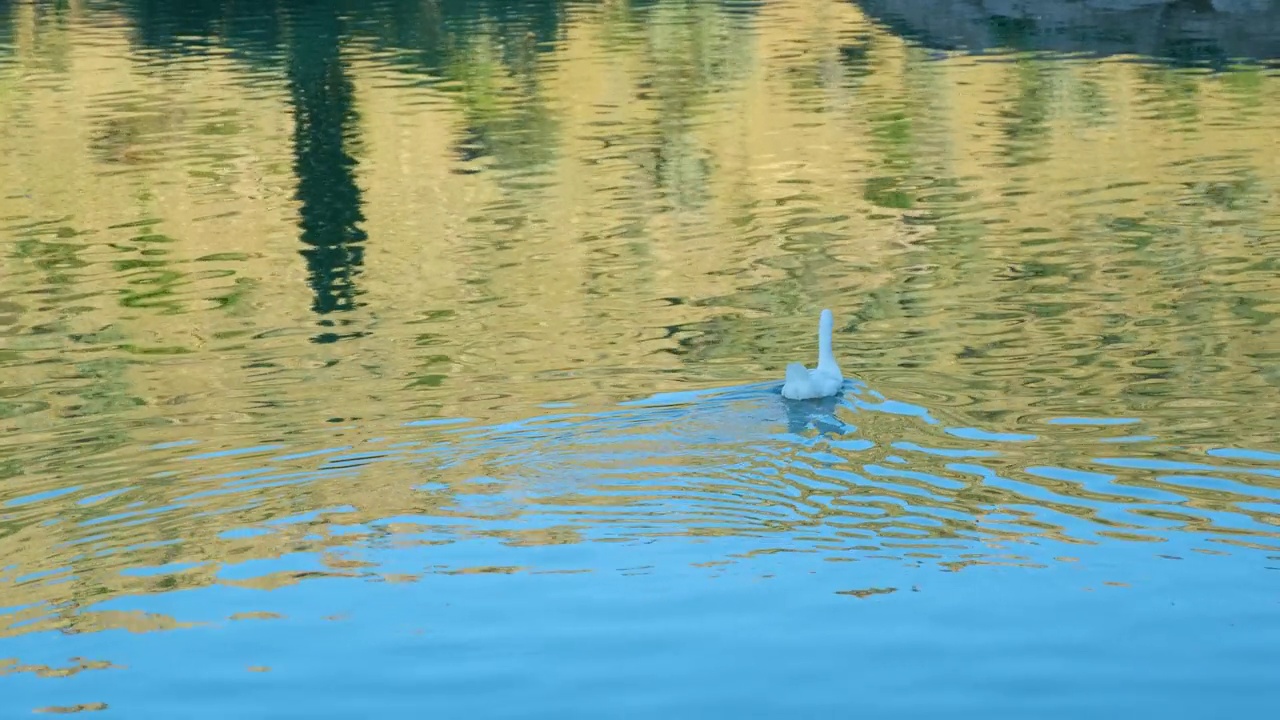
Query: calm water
x: 420, y: 359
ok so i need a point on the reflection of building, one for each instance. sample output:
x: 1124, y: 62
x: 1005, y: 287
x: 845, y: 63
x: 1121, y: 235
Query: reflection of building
x: 1180, y: 30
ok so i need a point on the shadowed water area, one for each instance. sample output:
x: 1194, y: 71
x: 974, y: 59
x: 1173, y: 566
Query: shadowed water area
x: 421, y: 359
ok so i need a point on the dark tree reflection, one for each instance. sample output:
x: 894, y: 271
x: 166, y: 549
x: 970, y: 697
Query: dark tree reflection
x: 325, y: 121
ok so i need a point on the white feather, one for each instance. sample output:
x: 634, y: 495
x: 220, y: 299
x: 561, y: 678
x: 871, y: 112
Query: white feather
x: 824, y: 380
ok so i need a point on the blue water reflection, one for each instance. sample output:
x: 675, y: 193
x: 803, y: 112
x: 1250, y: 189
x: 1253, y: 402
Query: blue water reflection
x: 719, y: 479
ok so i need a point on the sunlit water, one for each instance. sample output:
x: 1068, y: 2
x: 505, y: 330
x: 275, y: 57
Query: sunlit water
x: 413, y: 359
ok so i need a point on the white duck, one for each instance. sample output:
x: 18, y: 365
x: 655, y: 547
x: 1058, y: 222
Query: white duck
x: 822, y: 381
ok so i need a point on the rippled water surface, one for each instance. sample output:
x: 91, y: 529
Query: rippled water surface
x: 422, y: 359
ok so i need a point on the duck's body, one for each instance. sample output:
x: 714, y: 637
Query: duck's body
x: 824, y: 380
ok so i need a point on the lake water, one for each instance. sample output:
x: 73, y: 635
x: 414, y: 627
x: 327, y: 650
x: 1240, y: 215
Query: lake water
x: 421, y: 359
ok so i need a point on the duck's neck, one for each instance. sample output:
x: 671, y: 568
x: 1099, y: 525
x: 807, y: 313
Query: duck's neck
x: 826, y: 358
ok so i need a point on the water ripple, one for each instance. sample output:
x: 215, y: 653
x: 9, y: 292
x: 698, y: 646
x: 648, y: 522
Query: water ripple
x: 845, y: 480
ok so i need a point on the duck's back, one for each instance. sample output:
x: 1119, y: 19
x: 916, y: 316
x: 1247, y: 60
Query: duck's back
x: 797, y: 386
x: 826, y: 383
